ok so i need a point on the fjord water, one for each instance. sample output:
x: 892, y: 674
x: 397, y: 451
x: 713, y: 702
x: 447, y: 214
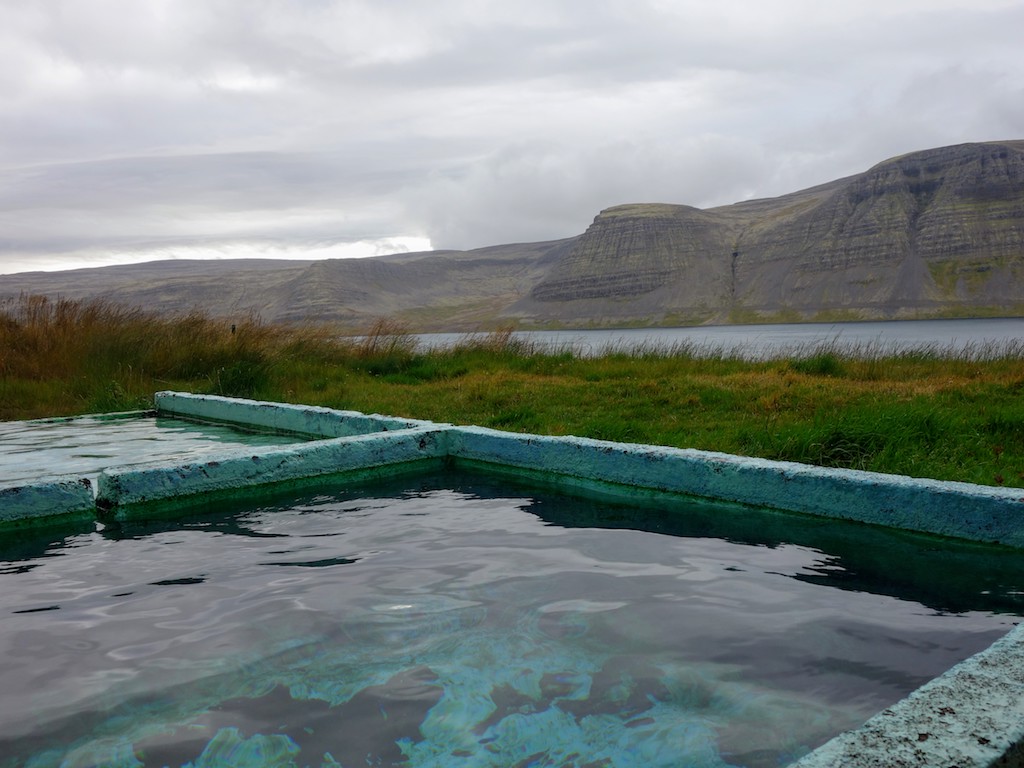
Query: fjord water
x: 458, y: 619
x: 775, y: 340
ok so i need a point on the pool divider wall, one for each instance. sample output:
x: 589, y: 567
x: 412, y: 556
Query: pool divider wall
x: 309, y: 420
x: 121, y: 490
x: 50, y: 501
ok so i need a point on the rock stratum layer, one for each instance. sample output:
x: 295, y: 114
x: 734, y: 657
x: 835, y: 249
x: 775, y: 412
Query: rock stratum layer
x: 936, y: 233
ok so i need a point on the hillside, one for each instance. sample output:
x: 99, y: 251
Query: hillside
x: 935, y: 233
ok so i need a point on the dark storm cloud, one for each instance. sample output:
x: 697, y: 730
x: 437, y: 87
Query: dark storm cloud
x: 146, y: 128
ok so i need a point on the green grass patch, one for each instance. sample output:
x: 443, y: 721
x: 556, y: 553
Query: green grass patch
x: 952, y: 414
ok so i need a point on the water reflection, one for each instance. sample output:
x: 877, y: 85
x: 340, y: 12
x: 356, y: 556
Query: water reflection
x: 457, y: 619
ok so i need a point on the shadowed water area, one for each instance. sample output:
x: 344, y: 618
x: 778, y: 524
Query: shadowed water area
x: 84, y: 446
x: 457, y: 619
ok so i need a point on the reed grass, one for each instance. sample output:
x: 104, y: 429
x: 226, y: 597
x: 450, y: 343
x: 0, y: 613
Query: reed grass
x: 953, y: 413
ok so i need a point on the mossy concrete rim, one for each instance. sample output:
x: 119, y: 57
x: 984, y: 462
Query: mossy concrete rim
x: 349, y: 440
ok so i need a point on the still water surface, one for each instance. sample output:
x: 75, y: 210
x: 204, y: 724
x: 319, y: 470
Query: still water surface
x: 31, y: 451
x: 456, y: 620
x: 982, y: 336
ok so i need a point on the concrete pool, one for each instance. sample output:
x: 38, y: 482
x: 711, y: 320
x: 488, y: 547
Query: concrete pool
x: 971, y: 715
x: 85, y: 446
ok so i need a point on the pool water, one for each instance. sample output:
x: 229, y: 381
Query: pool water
x: 85, y: 446
x: 461, y: 620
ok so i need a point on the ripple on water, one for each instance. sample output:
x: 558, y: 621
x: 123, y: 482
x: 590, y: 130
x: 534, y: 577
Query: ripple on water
x: 457, y: 621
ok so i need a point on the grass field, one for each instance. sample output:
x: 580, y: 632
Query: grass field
x: 940, y: 413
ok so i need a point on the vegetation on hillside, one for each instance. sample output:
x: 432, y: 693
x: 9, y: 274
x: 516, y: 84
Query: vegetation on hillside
x: 954, y: 414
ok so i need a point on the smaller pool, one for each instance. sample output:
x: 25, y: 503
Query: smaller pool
x: 462, y: 620
x: 84, y: 447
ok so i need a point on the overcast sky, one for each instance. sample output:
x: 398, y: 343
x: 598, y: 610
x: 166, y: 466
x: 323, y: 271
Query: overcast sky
x: 140, y: 129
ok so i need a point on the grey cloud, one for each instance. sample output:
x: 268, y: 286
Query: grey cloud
x: 471, y: 122
x: 541, y: 191
x: 232, y: 181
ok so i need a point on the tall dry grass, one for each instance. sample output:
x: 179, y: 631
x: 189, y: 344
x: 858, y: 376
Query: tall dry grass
x: 60, y: 356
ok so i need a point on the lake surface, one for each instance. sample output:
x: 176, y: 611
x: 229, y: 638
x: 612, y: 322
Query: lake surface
x: 979, y: 336
x: 461, y: 620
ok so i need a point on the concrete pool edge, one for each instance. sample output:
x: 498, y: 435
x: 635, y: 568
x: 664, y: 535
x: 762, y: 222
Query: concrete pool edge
x: 350, y: 441
x: 958, y: 510
x: 310, y: 420
x: 46, y: 502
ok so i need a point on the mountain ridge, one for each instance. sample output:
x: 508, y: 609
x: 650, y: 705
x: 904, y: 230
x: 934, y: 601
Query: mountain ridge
x: 933, y: 233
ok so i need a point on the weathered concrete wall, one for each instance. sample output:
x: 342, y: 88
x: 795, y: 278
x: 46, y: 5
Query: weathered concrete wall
x: 121, y: 488
x: 22, y: 504
x: 962, y: 510
x: 279, y: 417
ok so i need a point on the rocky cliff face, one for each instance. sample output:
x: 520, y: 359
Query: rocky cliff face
x: 928, y: 230
x: 631, y: 250
x: 929, y: 234
x: 932, y: 233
